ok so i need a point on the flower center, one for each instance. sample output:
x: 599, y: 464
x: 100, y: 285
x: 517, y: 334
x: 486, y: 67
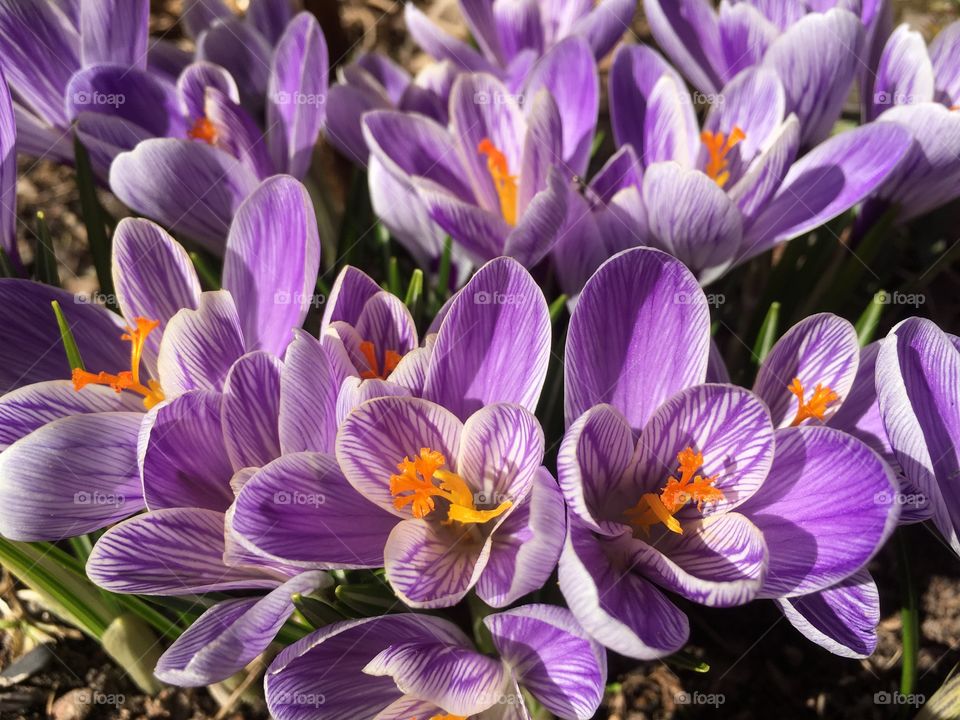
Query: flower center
x: 718, y: 147
x: 203, y: 130
x: 689, y: 487
x: 816, y: 406
x: 505, y: 183
x: 390, y: 361
x: 127, y: 379
x: 415, y: 486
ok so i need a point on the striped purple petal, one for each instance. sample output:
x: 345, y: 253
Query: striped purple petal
x: 251, y: 408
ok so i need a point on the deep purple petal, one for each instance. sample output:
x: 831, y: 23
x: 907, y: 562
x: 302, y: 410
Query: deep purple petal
x: 114, y: 31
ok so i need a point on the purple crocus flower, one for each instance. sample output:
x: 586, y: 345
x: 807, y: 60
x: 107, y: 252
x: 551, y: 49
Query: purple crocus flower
x: 919, y: 89
x: 717, y: 197
x: 444, y: 488
x: 712, y: 46
x: 194, y: 183
x: 75, y: 455
x: 513, y: 36
x: 688, y: 486
x: 917, y: 371
x: 420, y: 666
x: 498, y: 179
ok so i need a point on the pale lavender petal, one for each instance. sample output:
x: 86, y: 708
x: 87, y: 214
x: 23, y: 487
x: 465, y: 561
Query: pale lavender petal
x: 542, y: 146
x: 917, y: 374
x: 494, y: 343
x: 350, y: 292
x: 354, y: 392
x: 481, y: 233
x: 431, y: 565
x: 72, y: 476
x: 379, y: 434
x: 31, y: 407
x: 105, y: 137
x: 251, y: 407
x: 825, y: 182
x: 904, y: 75
x: 270, y: 17
x: 177, y: 551
x: 8, y: 175
x: 689, y: 33
x: 182, y: 458
x: 519, y: 28
x: 526, y: 546
x: 244, y: 52
x: 592, y: 465
x: 817, y: 76
x: 945, y: 56
x: 843, y: 618
x: 617, y: 607
x: 745, y: 35
x: 301, y: 509
x: 669, y: 126
x: 199, y: 346
x: 552, y: 656
x: 620, y: 357
x: 692, y: 218
x: 819, y: 350
x: 192, y: 87
x: 605, y: 24
x: 231, y: 634
x: 114, y: 31
x: 460, y: 680
x: 297, y: 94
x: 388, y: 324
x: 730, y: 426
x: 187, y: 186
x: 543, y: 222
x: 442, y: 45
x: 328, y: 664
x: 826, y: 507
x: 236, y: 133
x: 766, y: 173
x: 271, y: 263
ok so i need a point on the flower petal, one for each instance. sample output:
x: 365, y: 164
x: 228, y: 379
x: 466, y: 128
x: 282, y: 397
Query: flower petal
x: 231, y: 634
x: 309, y: 385
x: 251, y: 407
x: 301, y: 509
x: 176, y: 551
x: 620, y: 357
x: 271, y: 263
x: 904, y: 75
x: 821, y: 529
x: 689, y: 33
x: 72, y: 476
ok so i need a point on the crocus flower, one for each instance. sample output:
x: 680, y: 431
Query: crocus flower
x: 711, y: 47
x: 498, y: 179
x: 444, y: 488
x: 688, y: 486
x: 816, y: 374
x: 420, y: 666
x: 91, y: 66
x: 194, y: 183
x: 716, y: 197
x: 917, y: 371
x: 512, y: 36
x: 919, y: 89
x: 151, y: 396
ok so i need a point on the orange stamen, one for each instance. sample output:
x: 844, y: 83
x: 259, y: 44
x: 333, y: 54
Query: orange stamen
x: 689, y: 487
x: 414, y: 486
x: 390, y: 361
x: 203, y: 130
x: 718, y: 147
x: 504, y: 182
x: 816, y: 406
x: 127, y: 379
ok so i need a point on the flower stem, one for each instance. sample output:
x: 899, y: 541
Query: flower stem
x: 909, y: 618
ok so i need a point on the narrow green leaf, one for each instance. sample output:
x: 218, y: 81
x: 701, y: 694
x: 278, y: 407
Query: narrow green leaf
x: 45, y: 264
x: 367, y: 599
x: 414, y: 291
x: 556, y: 308
x: 597, y: 142
x: 686, y: 661
x: 768, y: 333
x: 95, y: 221
x: 66, y: 336
x: 81, y: 546
x: 443, y: 274
x: 208, y: 276
x: 867, y: 324
x: 6, y: 266
x: 393, y: 276
x: 317, y: 612
x: 909, y: 617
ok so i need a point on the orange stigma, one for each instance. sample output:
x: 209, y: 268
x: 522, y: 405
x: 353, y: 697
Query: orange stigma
x: 816, y: 406
x: 390, y: 361
x: 415, y: 486
x: 444, y: 717
x: 690, y: 487
x: 127, y: 379
x: 203, y: 130
x: 718, y: 147
x: 505, y: 183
